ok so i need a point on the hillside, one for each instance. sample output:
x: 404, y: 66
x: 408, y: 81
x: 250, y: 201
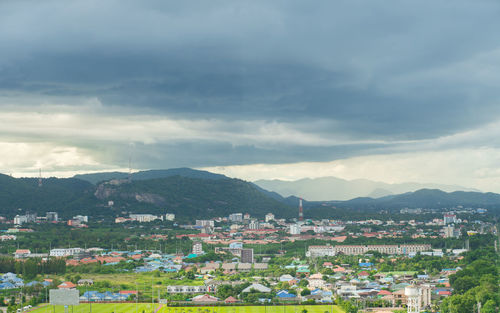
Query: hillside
x: 192, y: 197
x: 55, y: 194
x: 184, y: 196
x: 95, y: 178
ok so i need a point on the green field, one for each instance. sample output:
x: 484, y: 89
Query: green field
x: 147, y: 308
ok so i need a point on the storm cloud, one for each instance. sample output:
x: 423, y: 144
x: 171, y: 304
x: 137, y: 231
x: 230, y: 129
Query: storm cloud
x: 222, y: 83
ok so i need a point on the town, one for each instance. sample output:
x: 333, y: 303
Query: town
x: 372, y: 265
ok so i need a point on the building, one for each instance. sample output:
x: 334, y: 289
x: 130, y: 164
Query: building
x: 320, y: 251
x: 144, y: 218
x: 254, y: 225
x: 246, y: 255
x: 22, y: 253
x: 236, y: 217
x: 65, y: 252
x: 404, y: 249
x: 197, y: 248
x: 187, y: 289
x: 449, y: 219
x: 169, y: 217
x: 81, y: 218
x: 20, y: 219
x: 269, y: 217
x: 295, y: 229
x: 236, y: 245
x: 205, y: 223
x: 51, y: 216
x: 450, y: 232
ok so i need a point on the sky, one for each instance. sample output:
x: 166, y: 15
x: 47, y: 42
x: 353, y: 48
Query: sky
x: 391, y: 90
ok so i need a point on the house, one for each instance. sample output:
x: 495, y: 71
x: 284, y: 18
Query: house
x: 230, y: 300
x: 22, y: 253
x: 285, y: 295
x: 327, y: 265
x: 286, y: 277
x: 85, y: 282
x: 66, y: 285
x: 201, y: 299
x: 257, y: 287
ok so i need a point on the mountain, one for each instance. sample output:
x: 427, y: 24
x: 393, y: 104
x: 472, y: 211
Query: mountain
x: 425, y: 198
x: 330, y: 188
x: 192, y: 197
x: 202, y: 195
x: 95, y: 178
x: 55, y: 194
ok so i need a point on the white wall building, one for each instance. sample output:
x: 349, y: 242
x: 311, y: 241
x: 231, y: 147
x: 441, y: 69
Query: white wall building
x: 295, y: 229
x: 65, y: 252
x: 269, y: 217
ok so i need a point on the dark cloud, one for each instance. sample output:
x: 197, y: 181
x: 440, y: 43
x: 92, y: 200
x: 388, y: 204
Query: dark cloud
x: 395, y: 70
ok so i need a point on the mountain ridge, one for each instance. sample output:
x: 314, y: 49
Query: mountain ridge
x: 328, y: 188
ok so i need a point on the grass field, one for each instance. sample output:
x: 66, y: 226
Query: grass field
x: 147, y: 308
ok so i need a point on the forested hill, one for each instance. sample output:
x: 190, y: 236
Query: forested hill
x: 96, y: 178
x: 193, y: 196
x: 55, y: 194
x: 184, y: 196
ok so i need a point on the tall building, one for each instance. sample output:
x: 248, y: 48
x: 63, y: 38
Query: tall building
x: 295, y: 229
x: 269, y: 217
x: 451, y: 232
x: 254, y: 225
x: 205, y: 223
x: 197, y: 248
x: 449, y: 219
x: 246, y: 255
x: 412, y: 294
x: 51, y: 216
x: 236, y: 217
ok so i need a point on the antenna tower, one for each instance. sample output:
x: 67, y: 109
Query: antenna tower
x: 301, y: 213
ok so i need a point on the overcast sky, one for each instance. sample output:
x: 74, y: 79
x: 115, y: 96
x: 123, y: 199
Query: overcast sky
x: 388, y: 90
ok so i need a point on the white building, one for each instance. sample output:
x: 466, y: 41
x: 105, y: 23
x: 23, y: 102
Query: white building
x: 295, y: 229
x: 205, y: 223
x: 65, y: 252
x: 169, y: 216
x: 254, y: 225
x: 144, y: 218
x: 236, y: 217
x: 52, y: 216
x: 449, y: 219
x: 187, y: 289
x: 197, y: 248
x: 450, y: 232
x: 320, y: 251
x: 20, y: 219
x: 81, y: 218
x: 269, y: 217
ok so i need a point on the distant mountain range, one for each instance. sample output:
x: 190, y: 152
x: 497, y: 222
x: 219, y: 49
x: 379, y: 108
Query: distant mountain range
x: 328, y: 188
x: 192, y: 194
x: 423, y: 198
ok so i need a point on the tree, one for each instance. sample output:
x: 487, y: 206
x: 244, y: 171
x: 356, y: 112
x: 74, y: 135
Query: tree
x: 305, y: 292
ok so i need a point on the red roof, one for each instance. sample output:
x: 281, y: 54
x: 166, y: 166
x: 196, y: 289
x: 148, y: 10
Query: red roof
x: 444, y: 293
x: 66, y: 285
x: 231, y: 299
x: 384, y: 293
x: 363, y: 273
x: 128, y: 292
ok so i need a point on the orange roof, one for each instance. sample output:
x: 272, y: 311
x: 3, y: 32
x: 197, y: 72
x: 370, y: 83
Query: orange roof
x: 66, y: 285
x: 384, y: 293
